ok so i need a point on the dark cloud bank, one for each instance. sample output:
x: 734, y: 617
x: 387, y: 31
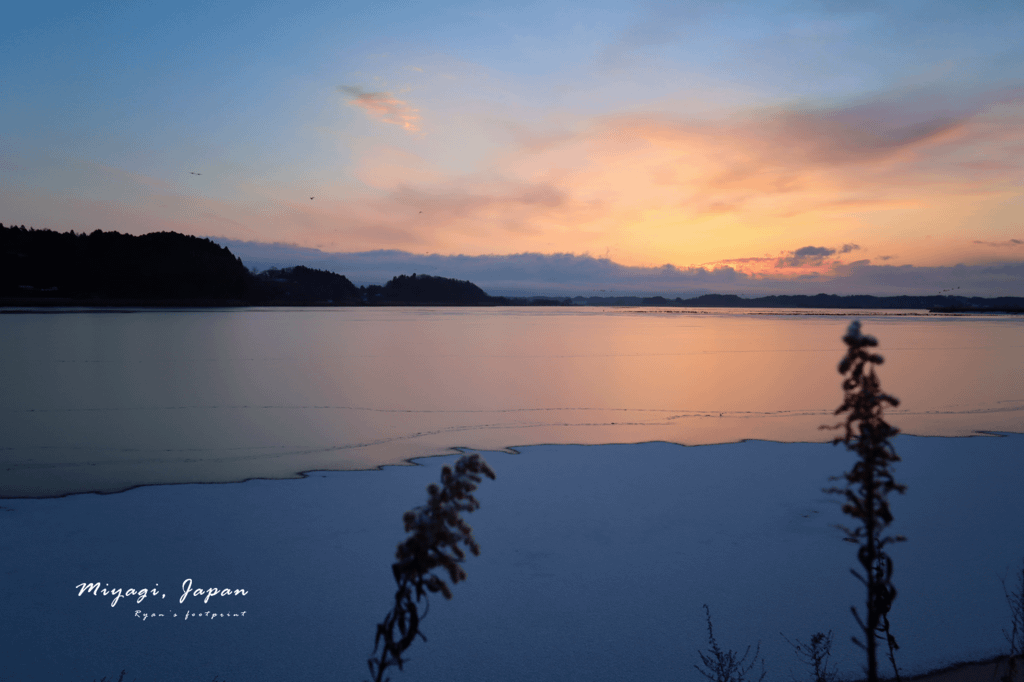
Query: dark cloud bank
x: 534, y: 274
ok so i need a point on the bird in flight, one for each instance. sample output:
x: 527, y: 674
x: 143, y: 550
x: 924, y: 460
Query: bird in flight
x: 194, y: 173
x: 311, y: 198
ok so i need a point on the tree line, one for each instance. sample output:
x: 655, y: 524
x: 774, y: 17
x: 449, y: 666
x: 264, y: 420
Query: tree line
x: 167, y: 268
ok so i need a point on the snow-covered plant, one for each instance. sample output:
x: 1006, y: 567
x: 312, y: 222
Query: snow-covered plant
x: 867, y: 487
x: 437, y: 529
x: 727, y: 666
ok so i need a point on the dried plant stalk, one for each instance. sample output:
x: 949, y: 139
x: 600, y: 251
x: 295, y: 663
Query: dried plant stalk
x: 728, y: 666
x: 1015, y: 635
x: 437, y: 529
x: 815, y: 655
x: 867, y: 487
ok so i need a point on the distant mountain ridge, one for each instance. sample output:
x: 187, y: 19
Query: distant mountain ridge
x: 167, y: 268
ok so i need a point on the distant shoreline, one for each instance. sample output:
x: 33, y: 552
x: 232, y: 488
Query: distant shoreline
x: 999, y: 306
x: 42, y: 268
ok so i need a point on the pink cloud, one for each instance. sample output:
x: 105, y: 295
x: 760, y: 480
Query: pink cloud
x: 652, y: 188
x: 385, y: 107
x: 646, y: 185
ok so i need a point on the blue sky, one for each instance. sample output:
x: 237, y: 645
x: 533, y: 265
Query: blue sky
x: 715, y: 135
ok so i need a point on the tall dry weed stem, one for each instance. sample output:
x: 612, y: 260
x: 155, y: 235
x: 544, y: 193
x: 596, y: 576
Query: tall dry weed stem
x: 867, y: 486
x: 437, y: 529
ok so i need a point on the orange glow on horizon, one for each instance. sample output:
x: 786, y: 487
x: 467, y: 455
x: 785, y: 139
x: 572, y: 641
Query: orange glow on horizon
x: 744, y: 192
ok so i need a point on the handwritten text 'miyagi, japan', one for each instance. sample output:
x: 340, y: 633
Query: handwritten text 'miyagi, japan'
x: 118, y: 593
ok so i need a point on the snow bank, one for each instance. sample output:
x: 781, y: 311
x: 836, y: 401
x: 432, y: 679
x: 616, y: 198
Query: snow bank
x: 595, y: 561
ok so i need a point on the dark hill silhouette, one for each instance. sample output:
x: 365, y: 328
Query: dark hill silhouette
x: 105, y: 266
x: 42, y: 267
x: 428, y: 290
x: 300, y: 285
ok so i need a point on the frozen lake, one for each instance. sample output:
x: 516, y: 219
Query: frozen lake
x: 595, y: 559
x: 105, y: 401
x: 594, y: 564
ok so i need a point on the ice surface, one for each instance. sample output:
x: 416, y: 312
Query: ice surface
x: 595, y: 561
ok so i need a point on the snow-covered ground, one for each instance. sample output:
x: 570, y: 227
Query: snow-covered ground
x: 595, y: 561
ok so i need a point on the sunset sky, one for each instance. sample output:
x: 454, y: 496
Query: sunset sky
x: 773, y: 142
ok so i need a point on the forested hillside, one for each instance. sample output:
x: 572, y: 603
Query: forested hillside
x: 111, y: 265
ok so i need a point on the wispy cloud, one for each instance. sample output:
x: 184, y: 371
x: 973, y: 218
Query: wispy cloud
x: 655, y: 185
x: 1011, y: 243
x: 384, y: 107
x: 649, y: 189
x: 803, y: 262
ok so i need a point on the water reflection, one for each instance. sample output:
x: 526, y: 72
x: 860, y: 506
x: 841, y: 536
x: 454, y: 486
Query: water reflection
x: 108, y: 401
